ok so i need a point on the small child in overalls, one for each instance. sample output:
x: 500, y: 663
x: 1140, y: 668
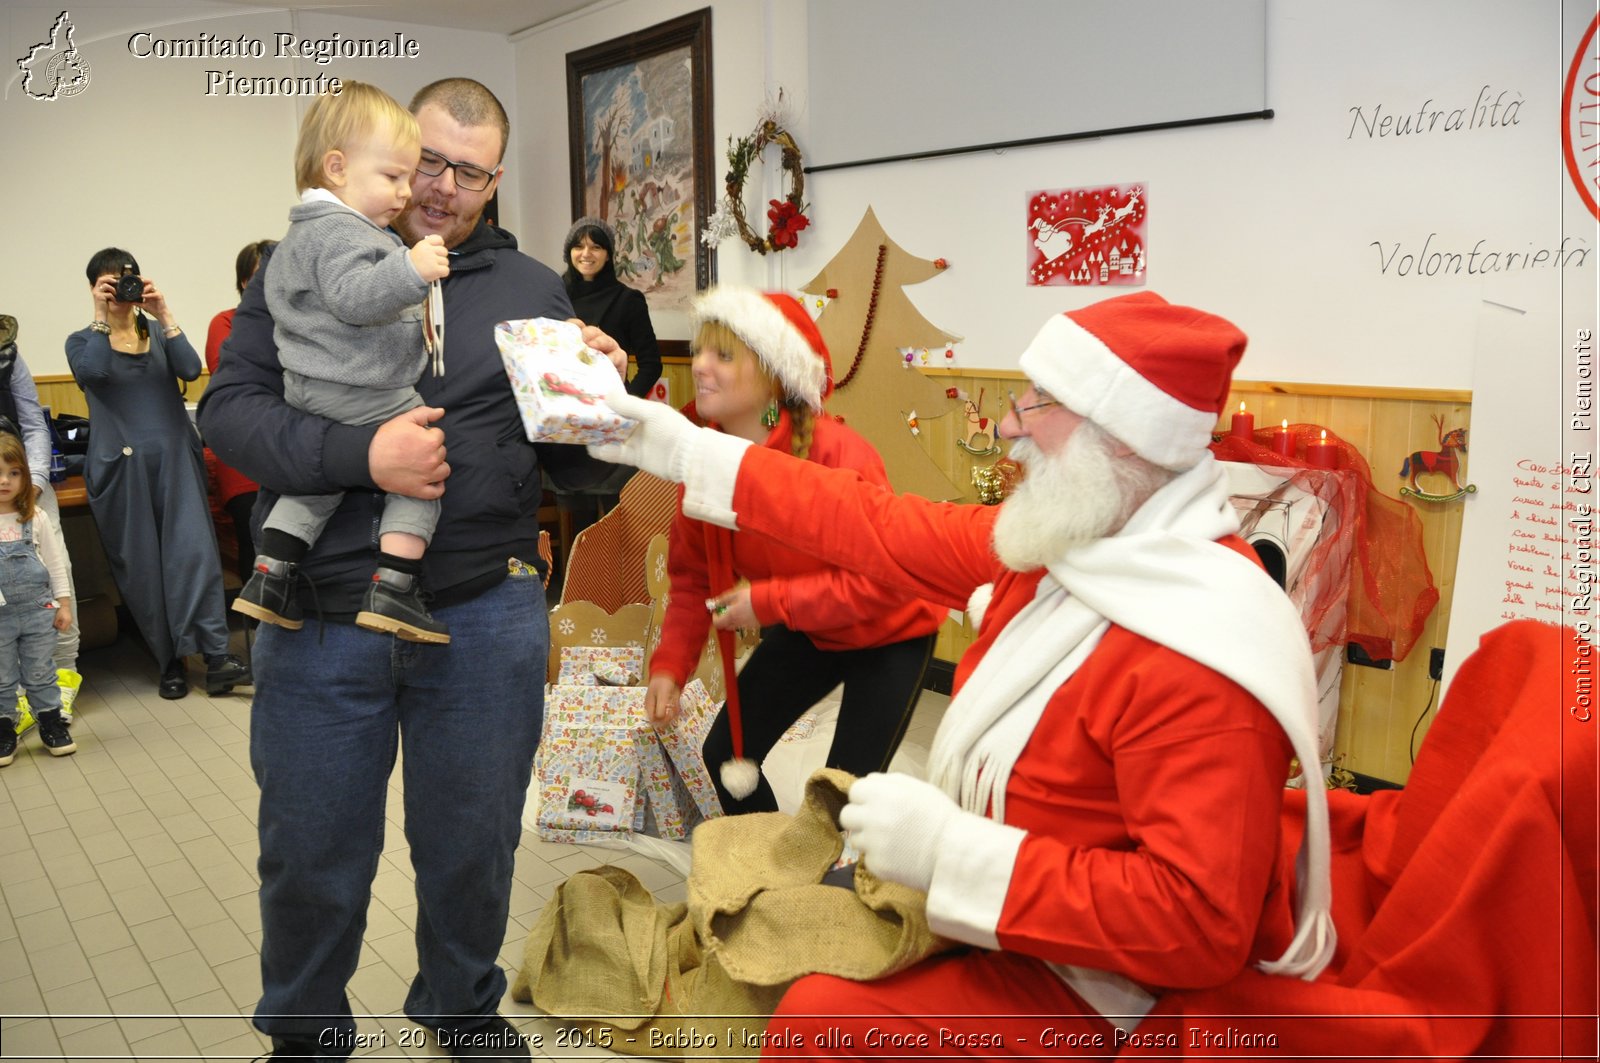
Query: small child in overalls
x: 36, y: 604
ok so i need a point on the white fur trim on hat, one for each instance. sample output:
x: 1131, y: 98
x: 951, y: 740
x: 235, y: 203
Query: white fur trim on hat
x: 763, y: 327
x: 1074, y: 366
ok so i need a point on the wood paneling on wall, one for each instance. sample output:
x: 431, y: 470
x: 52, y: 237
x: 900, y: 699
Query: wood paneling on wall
x: 62, y: 394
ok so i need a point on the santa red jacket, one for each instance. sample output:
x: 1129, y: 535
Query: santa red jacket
x: 835, y: 608
x: 1141, y: 829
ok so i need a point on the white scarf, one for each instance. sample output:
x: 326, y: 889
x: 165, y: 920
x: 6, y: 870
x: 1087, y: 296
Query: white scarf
x: 1163, y: 576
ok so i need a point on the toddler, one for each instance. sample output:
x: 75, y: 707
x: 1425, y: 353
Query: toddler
x: 346, y: 300
x: 34, y: 604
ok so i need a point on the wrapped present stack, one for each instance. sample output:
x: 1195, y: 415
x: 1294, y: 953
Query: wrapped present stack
x: 603, y: 771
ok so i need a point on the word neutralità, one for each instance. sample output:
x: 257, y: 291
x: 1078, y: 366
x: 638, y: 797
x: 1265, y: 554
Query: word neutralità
x: 1487, y: 112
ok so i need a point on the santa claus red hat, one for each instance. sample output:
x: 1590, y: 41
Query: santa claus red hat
x: 777, y: 328
x: 1152, y: 374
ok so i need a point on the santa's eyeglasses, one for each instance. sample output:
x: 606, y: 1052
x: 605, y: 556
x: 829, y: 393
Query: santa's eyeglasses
x: 1045, y: 400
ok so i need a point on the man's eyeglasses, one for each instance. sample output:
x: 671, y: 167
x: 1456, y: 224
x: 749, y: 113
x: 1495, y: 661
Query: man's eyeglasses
x: 472, y: 178
x: 1020, y: 410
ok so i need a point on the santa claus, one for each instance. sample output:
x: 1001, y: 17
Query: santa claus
x: 1100, y: 817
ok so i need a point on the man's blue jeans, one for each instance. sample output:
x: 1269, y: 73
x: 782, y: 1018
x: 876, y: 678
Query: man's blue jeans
x: 333, y: 704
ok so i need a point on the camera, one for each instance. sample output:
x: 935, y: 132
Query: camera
x: 130, y: 286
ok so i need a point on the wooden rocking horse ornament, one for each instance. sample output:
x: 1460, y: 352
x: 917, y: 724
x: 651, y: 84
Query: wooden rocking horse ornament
x: 1445, y: 461
x: 978, y: 438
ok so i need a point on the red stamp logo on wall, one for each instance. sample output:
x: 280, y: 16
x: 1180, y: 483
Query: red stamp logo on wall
x: 1580, y: 104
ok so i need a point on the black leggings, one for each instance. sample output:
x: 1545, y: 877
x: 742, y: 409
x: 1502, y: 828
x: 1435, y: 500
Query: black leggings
x: 787, y: 674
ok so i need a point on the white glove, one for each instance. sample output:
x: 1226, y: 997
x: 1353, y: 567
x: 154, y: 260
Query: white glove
x: 662, y: 443
x: 897, y: 824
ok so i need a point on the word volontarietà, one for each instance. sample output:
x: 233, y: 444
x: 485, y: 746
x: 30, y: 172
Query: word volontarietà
x: 320, y: 51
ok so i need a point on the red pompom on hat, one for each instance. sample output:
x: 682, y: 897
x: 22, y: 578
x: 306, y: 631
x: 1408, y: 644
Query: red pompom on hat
x: 1153, y: 374
x: 777, y: 328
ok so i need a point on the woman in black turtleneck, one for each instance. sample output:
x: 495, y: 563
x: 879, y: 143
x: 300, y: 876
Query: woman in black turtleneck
x: 600, y: 299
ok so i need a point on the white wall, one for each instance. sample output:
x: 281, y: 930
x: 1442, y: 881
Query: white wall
x: 143, y: 159
x: 1282, y: 225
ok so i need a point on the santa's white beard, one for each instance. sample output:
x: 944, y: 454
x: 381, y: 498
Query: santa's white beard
x: 1081, y: 493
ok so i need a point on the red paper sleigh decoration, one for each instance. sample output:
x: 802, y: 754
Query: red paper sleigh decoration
x: 1087, y: 236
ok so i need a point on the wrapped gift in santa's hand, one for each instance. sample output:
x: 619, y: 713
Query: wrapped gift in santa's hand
x: 559, y: 383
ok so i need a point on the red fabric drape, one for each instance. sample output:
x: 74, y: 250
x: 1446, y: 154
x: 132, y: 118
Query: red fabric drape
x: 1466, y: 903
x: 1392, y: 587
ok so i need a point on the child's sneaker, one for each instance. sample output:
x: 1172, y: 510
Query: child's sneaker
x: 394, y: 605
x: 54, y: 734
x: 269, y: 595
x: 8, y: 741
x: 68, y: 681
x: 24, y: 713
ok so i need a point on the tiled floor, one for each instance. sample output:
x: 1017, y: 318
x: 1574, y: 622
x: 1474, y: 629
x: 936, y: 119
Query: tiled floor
x: 129, y: 923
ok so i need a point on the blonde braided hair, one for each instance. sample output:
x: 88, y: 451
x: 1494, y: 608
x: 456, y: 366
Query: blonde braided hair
x: 804, y: 423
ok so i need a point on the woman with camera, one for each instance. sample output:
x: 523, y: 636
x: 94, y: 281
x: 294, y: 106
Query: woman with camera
x: 145, y: 476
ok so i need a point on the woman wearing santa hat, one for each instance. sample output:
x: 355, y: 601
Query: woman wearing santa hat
x: 761, y: 372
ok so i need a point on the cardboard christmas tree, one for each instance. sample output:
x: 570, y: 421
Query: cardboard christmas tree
x: 866, y: 322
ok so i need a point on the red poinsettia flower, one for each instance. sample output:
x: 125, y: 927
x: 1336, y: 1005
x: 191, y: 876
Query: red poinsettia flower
x: 786, y: 223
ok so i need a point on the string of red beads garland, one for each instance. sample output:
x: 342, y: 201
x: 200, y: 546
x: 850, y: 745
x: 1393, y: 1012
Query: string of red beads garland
x: 872, y: 312
x: 785, y: 217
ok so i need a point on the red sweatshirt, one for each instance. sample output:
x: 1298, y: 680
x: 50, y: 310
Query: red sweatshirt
x: 837, y: 610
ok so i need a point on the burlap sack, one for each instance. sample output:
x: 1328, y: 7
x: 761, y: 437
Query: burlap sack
x: 599, y: 949
x: 702, y: 979
x: 758, y: 903
x: 606, y: 954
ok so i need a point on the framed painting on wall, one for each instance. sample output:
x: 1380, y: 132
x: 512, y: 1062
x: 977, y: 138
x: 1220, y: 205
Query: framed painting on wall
x: 639, y: 131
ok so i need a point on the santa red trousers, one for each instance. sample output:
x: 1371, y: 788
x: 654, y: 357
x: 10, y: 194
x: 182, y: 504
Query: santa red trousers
x: 971, y: 1003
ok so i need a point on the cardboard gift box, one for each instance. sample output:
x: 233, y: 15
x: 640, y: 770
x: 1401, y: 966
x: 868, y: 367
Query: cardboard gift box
x: 601, y: 666
x: 684, y: 742
x: 559, y: 383
x: 597, y: 739
x: 673, y: 812
x: 587, y: 767
x: 588, y: 772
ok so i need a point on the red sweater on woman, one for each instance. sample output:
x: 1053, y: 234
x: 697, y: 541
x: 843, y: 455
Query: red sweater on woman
x: 230, y: 482
x: 837, y: 610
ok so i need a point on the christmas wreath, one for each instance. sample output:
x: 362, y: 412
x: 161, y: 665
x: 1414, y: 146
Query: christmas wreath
x: 785, y: 217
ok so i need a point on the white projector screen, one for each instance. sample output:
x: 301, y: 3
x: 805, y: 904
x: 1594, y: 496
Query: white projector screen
x: 901, y: 77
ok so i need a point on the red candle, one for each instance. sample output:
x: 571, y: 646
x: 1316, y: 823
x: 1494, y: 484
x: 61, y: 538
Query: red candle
x: 1244, y: 424
x: 1283, y: 440
x: 1322, y: 453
